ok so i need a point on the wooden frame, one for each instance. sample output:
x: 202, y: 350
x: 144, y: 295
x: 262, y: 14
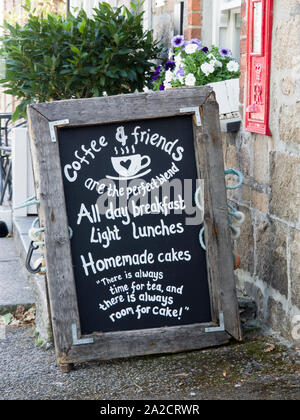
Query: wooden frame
x: 71, y: 347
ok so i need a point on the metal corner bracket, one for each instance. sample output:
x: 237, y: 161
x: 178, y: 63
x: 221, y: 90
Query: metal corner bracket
x: 220, y: 328
x: 193, y: 109
x: 77, y: 341
x: 53, y: 124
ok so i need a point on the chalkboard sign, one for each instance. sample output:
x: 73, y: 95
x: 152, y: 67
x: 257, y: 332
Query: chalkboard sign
x: 116, y: 178
x: 133, y: 256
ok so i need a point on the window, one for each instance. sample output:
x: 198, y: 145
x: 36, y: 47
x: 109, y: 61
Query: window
x: 226, y: 25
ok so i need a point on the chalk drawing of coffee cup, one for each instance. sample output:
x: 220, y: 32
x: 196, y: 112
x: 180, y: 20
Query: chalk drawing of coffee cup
x: 129, y: 167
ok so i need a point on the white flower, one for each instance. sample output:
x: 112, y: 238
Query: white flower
x: 168, y: 76
x: 146, y: 89
x: 190, y: 80
x: 211, y: 56
x: 171, y: 53
x: 233, y: 66
x: 178, y: 60
x: 191, y: 48
x: 167, y: 85
x: 207, y: 68
x: 215, y: 63
x: 180, y: 79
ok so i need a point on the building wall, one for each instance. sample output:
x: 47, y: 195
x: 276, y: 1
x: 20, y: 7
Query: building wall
x: 7, y: 7
x: 88, y: 6
x: 13, y: 11
x: 194, y: 19
x: 269, y: 245
x: 163, y: 20
x: 159, y: 16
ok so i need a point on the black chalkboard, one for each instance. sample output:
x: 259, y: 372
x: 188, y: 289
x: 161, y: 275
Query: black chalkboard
x: 135, y: 266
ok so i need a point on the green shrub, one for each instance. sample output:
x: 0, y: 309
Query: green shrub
x: 55, y: 57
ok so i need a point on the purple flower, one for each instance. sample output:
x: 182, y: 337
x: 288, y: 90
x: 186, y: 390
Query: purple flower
x: 169, y: 65
x: 224, y: 52
x: 156, y: 74
x: 161, y: 87
x: 180, y: 72
x: 205, y: 50
x: 177, y: 41
x: 197, y: 42
x: 157, y: 71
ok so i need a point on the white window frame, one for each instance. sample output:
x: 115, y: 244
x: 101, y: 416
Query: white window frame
x: 230, y: 4
x: 219, y: 9
x: 160, y: 3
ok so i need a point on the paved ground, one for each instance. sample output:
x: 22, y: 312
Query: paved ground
x: 251, y: 370
x: 14, y: 288
x: 259, y: 368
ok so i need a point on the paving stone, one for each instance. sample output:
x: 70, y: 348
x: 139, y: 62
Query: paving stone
x: 8, y: 250
x: 14, y: 288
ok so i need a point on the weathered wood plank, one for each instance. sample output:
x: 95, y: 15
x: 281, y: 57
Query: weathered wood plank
x: 201, y: 163
x: 144, y: 342
x: 123, y: 107
x: 52, y: 215
x: 218, y: 237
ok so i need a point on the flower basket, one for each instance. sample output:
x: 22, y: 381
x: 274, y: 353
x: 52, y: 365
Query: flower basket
x: 191, y: 64
x: 227, y: 95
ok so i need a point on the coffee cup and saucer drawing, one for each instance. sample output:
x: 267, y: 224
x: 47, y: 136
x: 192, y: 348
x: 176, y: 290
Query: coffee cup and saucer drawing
x: 129, y: 167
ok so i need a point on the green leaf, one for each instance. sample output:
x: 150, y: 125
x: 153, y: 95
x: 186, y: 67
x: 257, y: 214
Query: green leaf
x: 123, y: 73
x: 75, y: 50
x: 133, y: 6
x: 6, y: 318
x: 69, y: 26
x: 116, y: 39
x: 82, y: 26
x: 102, y: 80
x: 124, y: 51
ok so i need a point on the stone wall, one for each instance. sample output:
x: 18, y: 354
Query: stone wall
x: 269, y: 245
x: 163, y: 21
